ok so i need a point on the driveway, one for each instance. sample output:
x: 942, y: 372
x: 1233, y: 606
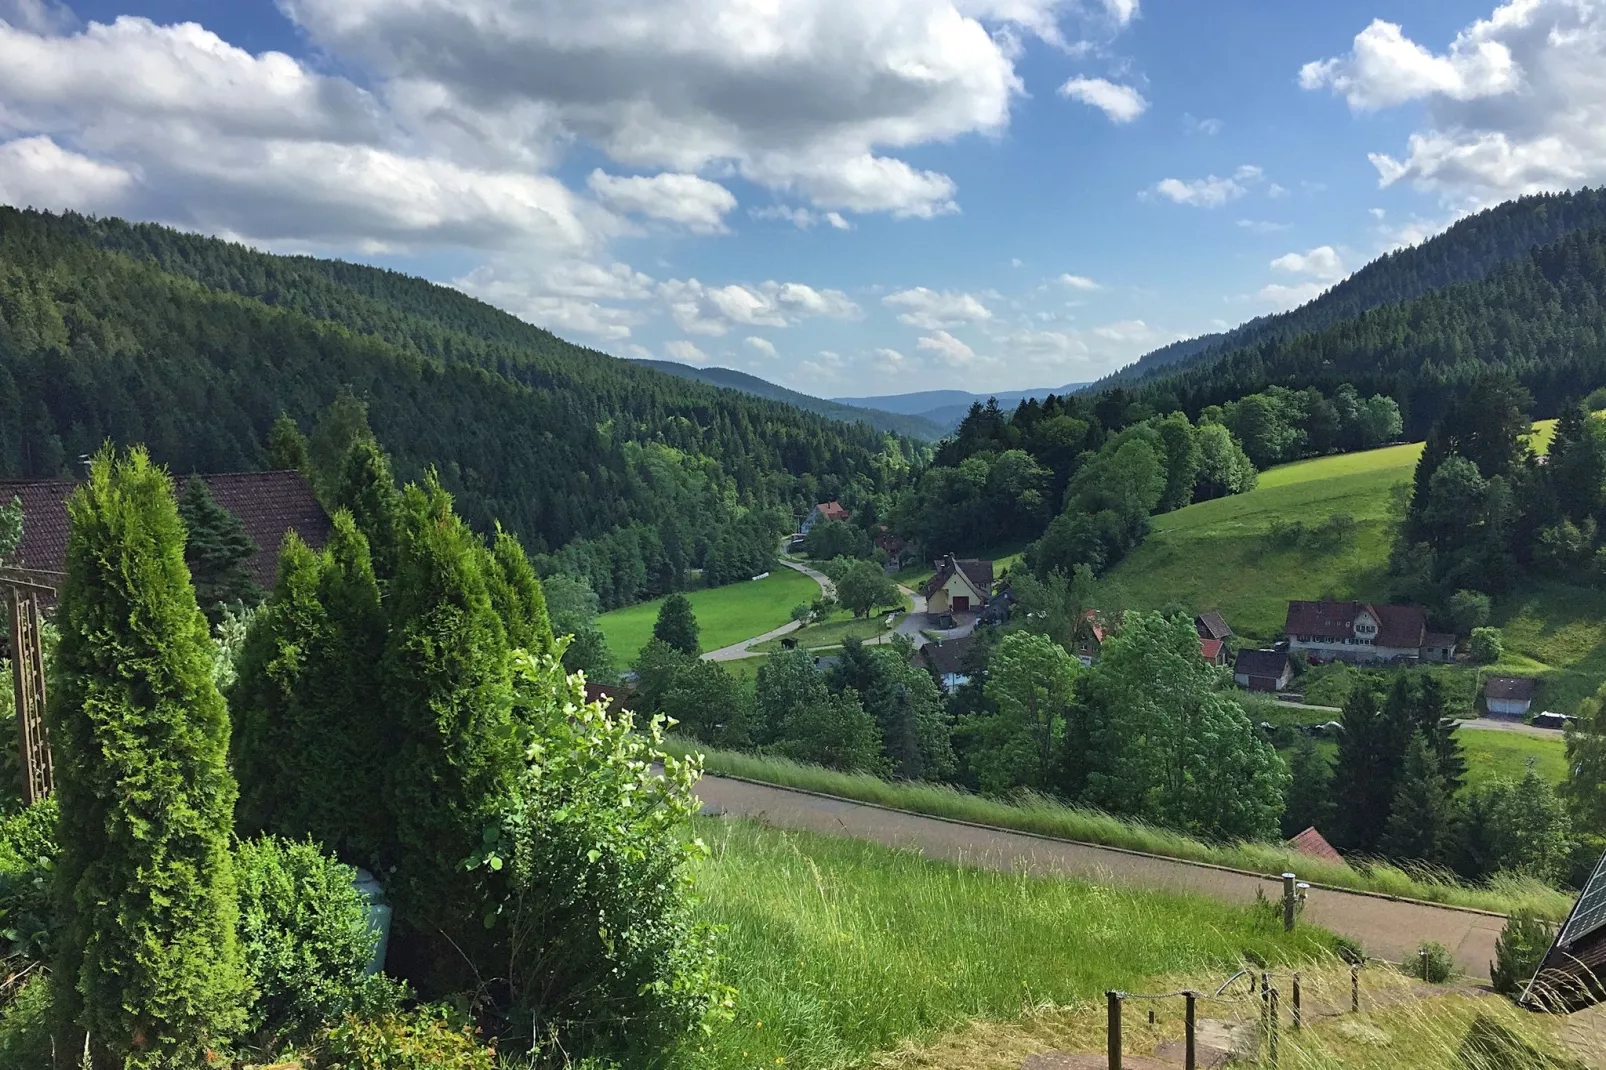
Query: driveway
x: 1495, y: 724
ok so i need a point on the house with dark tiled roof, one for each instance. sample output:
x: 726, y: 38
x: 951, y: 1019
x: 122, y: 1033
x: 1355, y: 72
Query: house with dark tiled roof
x: 951, y: 662
x: 1211, y: 626
x: 269, y: 505
x: 1358, y: 631
x: 1262, y: 670
x: 961, y: 585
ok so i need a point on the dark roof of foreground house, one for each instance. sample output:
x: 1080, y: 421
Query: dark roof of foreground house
x: 951, y: 656
x: 1397, y: 626
x: 1509, y: 688
x: 269, y: 504
x: 1212, y: 626
x: 1313, y: 843
x: 1272, y: 663
x: 978, y: 572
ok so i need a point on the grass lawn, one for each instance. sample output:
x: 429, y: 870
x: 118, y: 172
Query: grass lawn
x: 725, y: 615
x: 840, y: 950
x: 744, y: 669
x: 831, y: 632
x: 1505, y: 756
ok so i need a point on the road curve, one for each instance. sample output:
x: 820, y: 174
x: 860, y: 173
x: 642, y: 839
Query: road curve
x: 1388, y: 928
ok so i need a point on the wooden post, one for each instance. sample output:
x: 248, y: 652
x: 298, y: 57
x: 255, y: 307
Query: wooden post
x: 1114, y: 1031
x: 1297, y: 1019
x: 1423, y: 957
x: 1289, y: 901
x: 1271, y: 1033
x: 1355, y: 988
x: 28, y: 689
x: 1190, y: 1059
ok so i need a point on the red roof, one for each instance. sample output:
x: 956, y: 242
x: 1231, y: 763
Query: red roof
x: 1096, y: 626
x: 831, y: 511
x: 269, y: 504
x: 1210, y: 648
x: 1398, y: 626
x: 1313, y: 843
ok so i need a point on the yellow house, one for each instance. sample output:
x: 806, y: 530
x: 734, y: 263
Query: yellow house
x: 960, y: 586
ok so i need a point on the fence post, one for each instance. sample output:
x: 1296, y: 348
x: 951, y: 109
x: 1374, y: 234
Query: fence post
x: 1355, y: 987
x: 1297, y: 1020
x: 1289, y: 901
x: 1271, y: 1036
x: 1190, y: 1060
x: 1423, y: 957
x: 1114, y: 1032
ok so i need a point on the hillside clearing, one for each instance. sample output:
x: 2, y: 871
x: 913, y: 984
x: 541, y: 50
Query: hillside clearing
x: 725, y: 615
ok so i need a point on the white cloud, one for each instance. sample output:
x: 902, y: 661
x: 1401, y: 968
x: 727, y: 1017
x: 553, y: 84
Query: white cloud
x: 1515, y: 104
x: 566, y: 298
x: 1121, y: 103
x: 1016, y: 262
x: 712, y: 310
x: 802, y: 218
x: 933, y: 309
x: 1210, y: 191
x: 1323, y: 262
x: 38, y: 16
x: 1207, y: 127
x: 695, y: 203
x: 36, y: 172
x: 1262, y: 226
x: 685, y: 352
x: 1281, y: 297
x: 1125, y: 331
x: 891, y: 357
x: 948, y: 349
x: 1079, y: 282
x: 761, y: 346
x: 1122, y: 11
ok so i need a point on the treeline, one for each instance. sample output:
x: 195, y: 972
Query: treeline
x: 1470, y: 250
x: 194, y: 346
x: 1542, y: 318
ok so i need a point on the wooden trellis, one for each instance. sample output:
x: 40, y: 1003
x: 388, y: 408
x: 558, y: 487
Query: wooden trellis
x: 23, y: 590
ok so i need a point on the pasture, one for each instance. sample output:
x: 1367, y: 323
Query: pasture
x: 725, y: 615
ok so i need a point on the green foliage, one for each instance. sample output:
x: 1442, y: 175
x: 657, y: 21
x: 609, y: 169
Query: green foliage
x: 517, y: 597
x: 429, y: 1038
x: 596, y: 921
x: 365, y: 488
x: 835, y: 538
x: 10, y: 529
x: 1435, y: 963
x: 305, y: 935
x: 1370, y: 752
x: 1468, y: 611
x: 1486, y: 646
x: 744, y: 548
x: 709, y: 704
x: 148, y: 965
x: 1030, y: 680
x: 287, y: 446
x: 1224, y: 467
x: 862, y: 587
x: 216, y: 548
x: 677, y: 625
x: 28, y: 856
x: 1420, y: 823
x: 1517, y: 827
x: 573, y: 606
x: 799, y: 717
x: 1585, y: 789
x: 25, y: 1028
x: 1309, y: 802
x: 1519, y: 950
x: 905, y: 704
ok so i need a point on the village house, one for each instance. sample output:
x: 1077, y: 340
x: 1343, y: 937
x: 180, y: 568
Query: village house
x: 950, y: 662
x: 1090, y: 635
x: 1211, y: 626
x: 1263, y: 670
x: 1509, y: 696
x: 268, y: 504
x: 1365, y: 632
x: 961, y: 585
x: 824, y: 511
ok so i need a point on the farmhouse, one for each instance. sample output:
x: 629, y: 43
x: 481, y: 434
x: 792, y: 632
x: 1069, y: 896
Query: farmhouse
x: 951, y: 663
x: 1090, y: 635
x: 1510, y: 696
x: 1262, y: 670
x: 824, y: 511
x: 1359, y: 631
x: 269, y: 505
x: 961, y: 585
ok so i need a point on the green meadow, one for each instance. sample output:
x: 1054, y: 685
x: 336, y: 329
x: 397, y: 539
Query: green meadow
x: 725, y: 615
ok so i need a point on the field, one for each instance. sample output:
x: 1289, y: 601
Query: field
x: 1505, y: 756
x: 1217, y: 555
x: 725, y: 615
x: 831, y: 632
x: 840, y: 950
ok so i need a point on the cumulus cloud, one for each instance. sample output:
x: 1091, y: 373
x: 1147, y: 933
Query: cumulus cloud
x: 1280, y: 297
x: 948, y: 349
x: 1079, y: 282
x: 802, y: 218
x: 1323, y: 262
x: 762, y: 346
x: 933, y: 309
x: 686, y: 352
x: 36, y: 172
x: 1121, y: 103
x: 713, y: 310
x: 1210, y: 191
x: 695, y: 203
x: 38, y: 16
x: 1207, y: 127
x: 1125, y: 331
x: 891, y: 357
x: 1515, y: 104
x: 1263, y: 226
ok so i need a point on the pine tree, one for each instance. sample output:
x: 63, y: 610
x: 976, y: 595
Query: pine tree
x: 677, y: 624
x: 1310, y: 791
x: 1420, y: 826
x: 216, y: 548
x: 517, y: 596
x: 287, y: 446
x: 1369, y: 751
x: 147, y: 965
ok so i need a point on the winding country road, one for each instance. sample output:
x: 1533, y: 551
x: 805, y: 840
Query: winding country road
x: 1388, y: 928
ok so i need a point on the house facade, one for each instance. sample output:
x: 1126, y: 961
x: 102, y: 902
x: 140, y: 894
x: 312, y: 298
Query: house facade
x: 824, y: 511
x: 961, y: 585
x: 1263, y: 670
x: 1509, y: 696
x: 1090, y: 635
x: 1358, y: 631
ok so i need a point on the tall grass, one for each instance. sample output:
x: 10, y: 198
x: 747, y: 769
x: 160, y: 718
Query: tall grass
x: 840, y: 949
x: 1046, y: 817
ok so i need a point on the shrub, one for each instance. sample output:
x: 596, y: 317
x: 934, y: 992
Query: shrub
x: 1434, y: 962
x: 305, y: 933
x: 430, y: 1038
x: 27, y: 884
x: 1486, y: 646
x: 25, y: 1028
x: 1519, y: 950
x: 1468, y: 610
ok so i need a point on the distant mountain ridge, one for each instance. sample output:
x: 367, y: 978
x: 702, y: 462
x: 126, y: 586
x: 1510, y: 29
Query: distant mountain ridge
x: 947, y: 407
x: 1470, y: 250
x: 911, y: 424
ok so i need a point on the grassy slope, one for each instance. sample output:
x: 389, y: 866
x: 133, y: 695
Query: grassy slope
x: 725, y: 615
x: 840, y: 949
x: 1213, y: 556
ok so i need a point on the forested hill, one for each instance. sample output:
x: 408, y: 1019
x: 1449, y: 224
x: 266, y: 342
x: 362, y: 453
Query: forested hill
x: 1467, y: 251
x: 897, y: 423
x: 193, y: 346
x: 1541, y: 317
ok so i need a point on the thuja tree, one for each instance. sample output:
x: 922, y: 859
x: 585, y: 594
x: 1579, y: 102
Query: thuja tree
x: 517, y: 597
x: 147, y: 965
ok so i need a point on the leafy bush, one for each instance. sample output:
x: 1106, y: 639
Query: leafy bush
x: 430, y: 1038
x: 1519, y: 950
x: 25, y: 1028
x: 1434, y: 962
x: 27, y: 892
x: 1486, y: 646
x: 305, y: 933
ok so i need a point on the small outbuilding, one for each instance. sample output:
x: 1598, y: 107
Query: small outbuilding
x: 1313, y: 844
x: 1509, y: 696
x: 1211, y: 626
x: 1263, y: 670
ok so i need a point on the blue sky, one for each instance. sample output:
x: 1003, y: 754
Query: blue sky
x: 843, y: 196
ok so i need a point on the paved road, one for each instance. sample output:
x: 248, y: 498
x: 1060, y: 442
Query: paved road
x: 1390, y: 929
x: 737, y: 651
x: 1494, y: 724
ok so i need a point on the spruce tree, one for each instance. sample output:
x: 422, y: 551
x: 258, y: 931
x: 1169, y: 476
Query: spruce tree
x: 1310, y: 791
x: 287, y: 447
x: 1369, y: 751
x: 147, y: 964
x: 216, y: 548
x: 517, y: 596
x: 1421, y: 822
x: 677, y: 624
